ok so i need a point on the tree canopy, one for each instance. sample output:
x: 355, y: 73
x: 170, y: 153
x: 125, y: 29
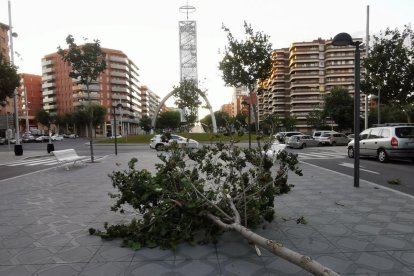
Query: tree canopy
x: 87, y: 63
x: 246, y: 61
x: 9, y: 79
x: 168, y: 120
x: 222, y: 119
x: 390, y: 67
x: 145, y: 123
x: 317, y: 120
x: 187, y: 96
x: 339, y: 106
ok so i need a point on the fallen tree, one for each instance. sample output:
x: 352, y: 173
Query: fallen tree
x: 208, y: 191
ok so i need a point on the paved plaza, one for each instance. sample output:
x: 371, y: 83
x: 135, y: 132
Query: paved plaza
x: 45, y: 217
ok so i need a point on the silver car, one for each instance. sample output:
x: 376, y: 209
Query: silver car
x: 333, y: 139
x: 391, y: 141
x: 159, y: 141
x: 302, y: 141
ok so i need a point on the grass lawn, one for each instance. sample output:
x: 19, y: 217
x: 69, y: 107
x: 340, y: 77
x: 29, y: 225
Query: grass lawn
x: 200, y: 137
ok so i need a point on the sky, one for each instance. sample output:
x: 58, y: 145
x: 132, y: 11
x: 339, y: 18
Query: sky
x: 147, y: 30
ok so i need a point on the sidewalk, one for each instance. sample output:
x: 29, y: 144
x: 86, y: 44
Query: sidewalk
x: 44, y: 221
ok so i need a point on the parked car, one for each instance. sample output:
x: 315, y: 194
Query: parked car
x: 390, y: 141
x: 28, y: 138
x: 13, y: 140
x: 302, y: 141
x: 159, y: 141
x: 2, y: 141
x: 283, y: 137
x: 72, y: 136
x: 333, y: 139
x: 117, y: 136
x: 351, y: 136
x: 42, y: 138
x: 317, y: 133
x: 57, y: 137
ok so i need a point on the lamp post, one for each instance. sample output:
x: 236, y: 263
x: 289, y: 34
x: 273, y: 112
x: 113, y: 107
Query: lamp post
x: 18, y: 148
x: 344, y: 39
x: 116, y: 140
x: 244, y: 103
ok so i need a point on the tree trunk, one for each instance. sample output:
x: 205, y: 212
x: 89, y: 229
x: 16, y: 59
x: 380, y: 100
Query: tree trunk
x: 90, y: 122
x: 278, y: 249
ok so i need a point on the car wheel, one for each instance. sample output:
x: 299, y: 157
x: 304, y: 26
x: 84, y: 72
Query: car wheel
x: 382, y: 156
x: 303, y: 146
x: 351, y: 152
x: 159, y: 147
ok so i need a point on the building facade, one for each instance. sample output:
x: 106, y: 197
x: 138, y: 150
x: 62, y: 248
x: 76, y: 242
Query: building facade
x: 117, y: 85
x: 302, y: 75
x: 149, y: 102
x: 29, y: 101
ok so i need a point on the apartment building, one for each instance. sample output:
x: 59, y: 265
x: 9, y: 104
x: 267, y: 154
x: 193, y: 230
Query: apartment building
x: 4, y: 40
x: 117, y: 85
x: 302, y: 74
x: 149, y: 102
x: 29, y: 100
x: 227, y: 108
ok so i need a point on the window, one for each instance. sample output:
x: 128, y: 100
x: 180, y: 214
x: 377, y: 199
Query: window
x: 385, y: 133
x: 364, y: 134
x: 375, y: 133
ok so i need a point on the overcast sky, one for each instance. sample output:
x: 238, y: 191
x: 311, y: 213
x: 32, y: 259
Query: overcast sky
x: 147, y: 30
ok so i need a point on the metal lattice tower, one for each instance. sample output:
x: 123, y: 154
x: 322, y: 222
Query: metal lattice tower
x: 188, y: 46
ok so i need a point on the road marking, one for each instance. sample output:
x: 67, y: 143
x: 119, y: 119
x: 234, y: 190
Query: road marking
x: 351, y: 165
x: 320, y: 155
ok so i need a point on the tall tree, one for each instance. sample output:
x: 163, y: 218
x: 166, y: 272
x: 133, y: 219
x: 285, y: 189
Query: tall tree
x: 87, y: 63
x: 270, y: 124
x: 9, y: 79
x: 289, y: 122
x: 246, y: 62
x: 390, y: 68
x: 187, y: 96
x: 222, y: 119
x: 169, y: 120
x: 145, y: 123
x: 339, y: 106
x: 317, y: 120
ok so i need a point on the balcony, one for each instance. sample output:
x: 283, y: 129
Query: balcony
x: 49, y: 107
x: 47, y: 70
x: 48, y: 85
x: 48, y: 92
x: 311, y: 99
x: 119, y: 66
x: 48, y: 78
x: 49, y: 100
x: 119, y: 74
x: 120, y: 89
x: 119, y: 97
x: 92, y: 87
x: 47, y: 62
x: 127, y: 105
x: 118, y: 59
x: 119, y: 81
x: 84, y: 95
x: 84, y: 103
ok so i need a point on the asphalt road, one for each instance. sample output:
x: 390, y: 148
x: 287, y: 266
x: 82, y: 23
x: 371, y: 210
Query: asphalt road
x: 333, y: 158
x: 370, y: 169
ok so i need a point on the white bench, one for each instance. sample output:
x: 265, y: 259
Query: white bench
x: 67, y: 156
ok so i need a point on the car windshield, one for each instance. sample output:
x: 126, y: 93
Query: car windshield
x: 326, y: 135
x: 404, y: 132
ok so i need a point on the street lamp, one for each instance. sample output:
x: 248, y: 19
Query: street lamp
x: 116, y: 141
x: 18, y: 148
x: 344, y: 39
x: 244, y: 103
